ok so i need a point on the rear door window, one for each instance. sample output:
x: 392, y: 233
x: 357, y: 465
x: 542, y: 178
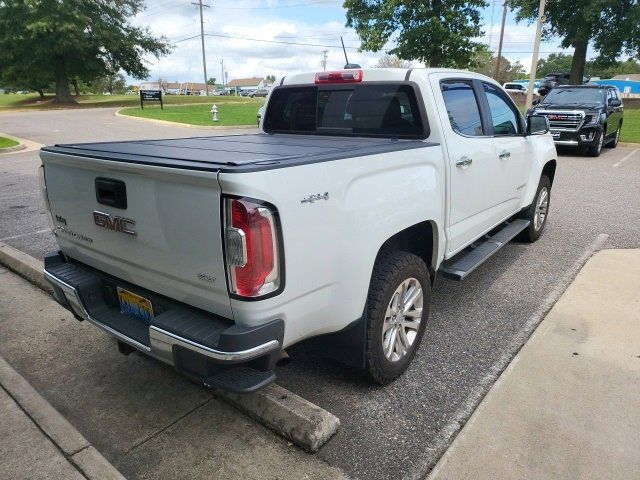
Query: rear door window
x: 387, y: 110
x: 462, y: 107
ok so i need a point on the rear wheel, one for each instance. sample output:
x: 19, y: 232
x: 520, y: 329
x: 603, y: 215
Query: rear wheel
x: 397, y: 311
x: 537, y: 212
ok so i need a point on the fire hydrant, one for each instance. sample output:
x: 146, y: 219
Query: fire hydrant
x: 214, y: 113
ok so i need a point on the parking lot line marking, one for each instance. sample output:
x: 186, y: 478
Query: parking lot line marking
x: 25, y: 234
x: 626, y: 158
x: 448, y: 433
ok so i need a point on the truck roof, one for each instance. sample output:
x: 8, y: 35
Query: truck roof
x: 235, y: 153
x: 370, y: 75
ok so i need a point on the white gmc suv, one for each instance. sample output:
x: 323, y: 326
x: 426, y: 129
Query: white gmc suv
x: 214, y: 254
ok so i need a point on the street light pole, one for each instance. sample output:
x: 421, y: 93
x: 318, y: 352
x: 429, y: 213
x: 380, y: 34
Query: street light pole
x: 534, y: 58
x: 204, y: 58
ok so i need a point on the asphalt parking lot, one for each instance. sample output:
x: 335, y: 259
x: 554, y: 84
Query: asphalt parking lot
x: 393, y: 432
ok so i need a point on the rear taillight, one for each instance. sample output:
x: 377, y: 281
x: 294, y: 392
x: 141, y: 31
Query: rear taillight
x: 344, y: 76
x: 45, y: 196
x: 251, y: 246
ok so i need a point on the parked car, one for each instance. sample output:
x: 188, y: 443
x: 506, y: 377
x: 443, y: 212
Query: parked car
x: 516, y: 88
x: 261, y: 92
x: 221, y: 93
x: 333, y: 222
x: 553, y: 80
x: 261, y: 113
x: 585, y: 116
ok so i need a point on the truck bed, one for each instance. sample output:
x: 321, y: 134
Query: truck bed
x: 233, y: 153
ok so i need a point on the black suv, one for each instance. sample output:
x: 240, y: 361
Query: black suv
x: 553, y: 80
x: 588, y: 116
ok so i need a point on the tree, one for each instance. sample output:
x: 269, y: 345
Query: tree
x: 211, y: 81
x: 484, y: 62
x: 611, y: 27
x: 67, y: 39
x: 391, y: 61
x: 110, y: 82
x: 554, y: 63
x: 27, y: 75
x: 439, y: 33
x: 271, y: 78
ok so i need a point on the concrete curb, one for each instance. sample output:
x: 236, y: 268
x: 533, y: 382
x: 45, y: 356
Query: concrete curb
x: 25, y: 145
x: 24, y: 265
x: 629, y: 144
x: 304, y: 423
x: 15, y: 148
x: 64, y: 435
x: 188, y: 125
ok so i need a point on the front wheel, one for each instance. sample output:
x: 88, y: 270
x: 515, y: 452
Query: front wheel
x: 614, y: 142
x: 597, y: 148
x: 397, y: 311
x: 537, y: 212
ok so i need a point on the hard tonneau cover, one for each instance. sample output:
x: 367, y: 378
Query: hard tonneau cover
x: 231, y: 153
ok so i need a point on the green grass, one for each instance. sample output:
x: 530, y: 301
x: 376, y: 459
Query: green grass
x: 13, y: 101
x: 229, y: 113
x: 631, y: 126
x: 7, y: 142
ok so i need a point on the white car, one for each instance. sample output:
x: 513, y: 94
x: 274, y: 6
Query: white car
x: 214, y: 254
x: 516, y: 88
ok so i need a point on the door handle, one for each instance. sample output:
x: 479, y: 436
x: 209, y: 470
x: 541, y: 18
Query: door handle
x: 504, y: 154
x: 464, y: 162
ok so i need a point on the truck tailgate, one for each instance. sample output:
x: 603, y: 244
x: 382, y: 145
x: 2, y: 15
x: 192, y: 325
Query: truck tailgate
x: 177, y: 246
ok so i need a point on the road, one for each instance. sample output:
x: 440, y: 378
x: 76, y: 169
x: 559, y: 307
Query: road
x: 397, y: 431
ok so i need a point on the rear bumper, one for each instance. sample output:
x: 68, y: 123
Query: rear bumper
x: 197, y: 343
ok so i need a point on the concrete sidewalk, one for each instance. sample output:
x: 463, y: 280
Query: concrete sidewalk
x: 25, y: 450
x: 568, y: 405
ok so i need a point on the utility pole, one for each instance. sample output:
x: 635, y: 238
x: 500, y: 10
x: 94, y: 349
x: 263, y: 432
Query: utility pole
x: 504, y: 17
x: 222, y: 72
x: 324, y: 59
x: 536, y: 52
x: 204, y: 58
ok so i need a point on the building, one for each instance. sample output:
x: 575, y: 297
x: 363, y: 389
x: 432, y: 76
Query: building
x: 253, y: 83
x: 628, y: 84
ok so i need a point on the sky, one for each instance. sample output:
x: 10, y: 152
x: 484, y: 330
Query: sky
x: 280, y: 37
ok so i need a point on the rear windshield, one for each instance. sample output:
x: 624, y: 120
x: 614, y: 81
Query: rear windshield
x: 379, y: 110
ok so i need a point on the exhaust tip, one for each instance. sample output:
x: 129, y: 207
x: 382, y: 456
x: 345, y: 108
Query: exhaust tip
x: 283, y: 359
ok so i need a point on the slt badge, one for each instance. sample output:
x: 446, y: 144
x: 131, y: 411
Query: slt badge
x: 317, y: 196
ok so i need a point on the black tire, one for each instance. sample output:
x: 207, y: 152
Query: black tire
x: 597, y: 148
x: 534, y: 230
x: 613, y: 143
x: 390, y: 271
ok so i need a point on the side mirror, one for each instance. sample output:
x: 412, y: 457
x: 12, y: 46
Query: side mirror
x: 536, y: 101
x: 537, y: 125
x: 614, y: 102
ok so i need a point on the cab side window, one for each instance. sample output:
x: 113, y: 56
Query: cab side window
x: 504, y: 118
x: 462, y: 107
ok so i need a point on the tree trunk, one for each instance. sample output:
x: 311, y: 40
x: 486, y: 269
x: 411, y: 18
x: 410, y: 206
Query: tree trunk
x: 63, y: 95
x: 579, y: 61
x: 75, y: 86
x: 41, y: 93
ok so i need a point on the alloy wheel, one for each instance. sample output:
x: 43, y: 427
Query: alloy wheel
x: 402, y: 319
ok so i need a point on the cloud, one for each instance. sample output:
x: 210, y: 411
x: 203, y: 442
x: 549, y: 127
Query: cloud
x: 253, y: 42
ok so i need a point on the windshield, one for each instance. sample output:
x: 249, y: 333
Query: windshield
x: 381, y: 110
x: 575, y: 95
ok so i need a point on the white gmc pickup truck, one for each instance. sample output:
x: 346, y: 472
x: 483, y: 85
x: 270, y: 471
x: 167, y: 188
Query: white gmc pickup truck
x: 214, y: 254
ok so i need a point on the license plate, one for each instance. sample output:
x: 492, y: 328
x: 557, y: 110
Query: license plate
x: 135, y: 305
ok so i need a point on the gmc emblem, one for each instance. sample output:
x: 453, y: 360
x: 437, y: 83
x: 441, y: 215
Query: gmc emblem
x: 110, y: 222
x: 557, y: 117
